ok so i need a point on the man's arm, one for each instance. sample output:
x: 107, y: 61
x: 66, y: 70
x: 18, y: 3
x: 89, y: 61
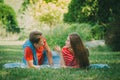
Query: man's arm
x: 49, y: 54
x: 31, y: 65
x: 29, y: 58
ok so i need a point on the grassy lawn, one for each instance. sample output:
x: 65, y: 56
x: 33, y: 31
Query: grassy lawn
x: 13, y: 53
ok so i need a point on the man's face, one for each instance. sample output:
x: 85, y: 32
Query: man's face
x: 40, y: 43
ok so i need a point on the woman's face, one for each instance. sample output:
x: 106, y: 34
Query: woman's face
x: 68, y: 45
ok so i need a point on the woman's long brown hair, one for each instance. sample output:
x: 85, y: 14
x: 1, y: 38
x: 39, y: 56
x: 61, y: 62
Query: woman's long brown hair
x: 80, y: 52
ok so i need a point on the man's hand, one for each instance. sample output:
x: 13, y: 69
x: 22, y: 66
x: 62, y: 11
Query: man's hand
x: 31, y: 65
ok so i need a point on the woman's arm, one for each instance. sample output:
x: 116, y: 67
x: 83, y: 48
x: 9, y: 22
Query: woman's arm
x: 62, y: 62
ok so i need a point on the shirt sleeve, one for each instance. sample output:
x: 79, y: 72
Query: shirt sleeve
x: 28, y: 54
x: 44, y: 43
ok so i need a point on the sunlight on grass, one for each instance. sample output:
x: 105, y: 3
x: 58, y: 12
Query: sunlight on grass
x: 3, y: 73
x: 10, y: 54
x: 10, y: 50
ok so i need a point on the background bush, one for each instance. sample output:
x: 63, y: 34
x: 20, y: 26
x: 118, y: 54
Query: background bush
x: 98, y: 32
x: 8, y: 17
x: 60, y: 33
x: 1, y: 1
x: 81, y: 11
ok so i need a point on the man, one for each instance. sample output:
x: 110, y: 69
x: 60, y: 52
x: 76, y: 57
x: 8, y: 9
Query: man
x: 34, y: 49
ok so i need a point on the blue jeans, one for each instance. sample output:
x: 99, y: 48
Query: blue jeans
x: 55, y: 57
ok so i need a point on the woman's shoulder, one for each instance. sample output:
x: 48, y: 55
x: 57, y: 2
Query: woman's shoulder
x: 64, y: 48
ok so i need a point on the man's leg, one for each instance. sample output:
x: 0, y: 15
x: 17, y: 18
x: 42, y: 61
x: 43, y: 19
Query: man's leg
x: 45, y: 60
x: 55, y: 57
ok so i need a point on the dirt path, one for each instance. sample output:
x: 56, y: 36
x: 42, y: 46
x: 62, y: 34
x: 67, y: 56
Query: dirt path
x: 93, y: 43
x: 11, y: 42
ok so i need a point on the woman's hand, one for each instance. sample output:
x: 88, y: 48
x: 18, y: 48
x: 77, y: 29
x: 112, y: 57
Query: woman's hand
x: 62, y: 62
x: 58, y: 49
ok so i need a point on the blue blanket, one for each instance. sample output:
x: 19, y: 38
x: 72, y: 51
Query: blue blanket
x: 98, y: 66
x: 22, y: 65
x: 56, y: 60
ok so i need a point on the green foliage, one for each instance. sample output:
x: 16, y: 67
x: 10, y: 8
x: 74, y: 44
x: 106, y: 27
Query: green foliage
x: 81, y: 11
x: 48, y: 12
x: 47, y: 1
x: 51, y: 13
x: 58, y: 36
x: 50, y: 16
x: 101, y: 48
x: 8, y: 17
x: 112, y: 37
x: 83, y: 29
x: 2, y: 30
x: 1, y: 1
x: 32, y: 2
x: 98, y: 32
x: 108, y: 11
x: 102, y: 11
x: 60, y: 33
x: 26, y: 3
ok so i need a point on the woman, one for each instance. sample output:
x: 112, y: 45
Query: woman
x: 73, y: 54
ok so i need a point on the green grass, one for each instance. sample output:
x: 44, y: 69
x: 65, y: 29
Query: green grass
x: 13, y: 53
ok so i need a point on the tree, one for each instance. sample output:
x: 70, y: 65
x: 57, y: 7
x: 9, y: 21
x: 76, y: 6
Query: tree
x: 112, y: 36
x: 49, y: 12
x: 109, y: 14
x: 81, y: 11
x: 104, y: 12
x: 108, y: 11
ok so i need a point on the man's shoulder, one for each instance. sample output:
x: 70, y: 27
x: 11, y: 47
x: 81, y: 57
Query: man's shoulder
x: 27, y: 48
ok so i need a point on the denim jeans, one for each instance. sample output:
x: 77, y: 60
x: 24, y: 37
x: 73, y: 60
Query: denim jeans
x: 55, y: 57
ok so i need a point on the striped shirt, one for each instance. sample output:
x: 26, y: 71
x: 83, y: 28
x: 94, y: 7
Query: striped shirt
x: 68, y: 57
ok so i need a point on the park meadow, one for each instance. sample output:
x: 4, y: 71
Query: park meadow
x: 56, y: 19
x: 100, y: 54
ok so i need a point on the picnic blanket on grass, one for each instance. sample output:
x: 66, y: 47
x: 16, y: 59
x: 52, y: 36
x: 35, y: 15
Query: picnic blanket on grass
x: 22, y: 65
x: 56, y: 60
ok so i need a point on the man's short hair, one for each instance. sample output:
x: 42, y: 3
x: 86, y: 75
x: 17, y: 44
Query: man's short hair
x: 34, y: 36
